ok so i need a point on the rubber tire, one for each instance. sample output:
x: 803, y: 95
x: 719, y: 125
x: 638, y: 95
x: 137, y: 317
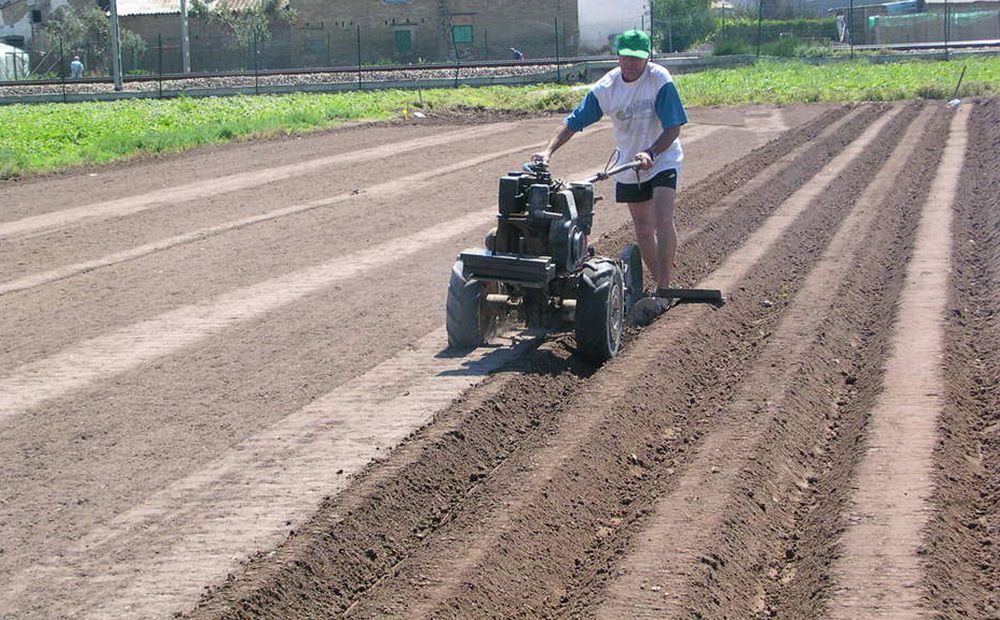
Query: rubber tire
x: 631, y: 260
x: 469, y: 320
x: 600, y: 310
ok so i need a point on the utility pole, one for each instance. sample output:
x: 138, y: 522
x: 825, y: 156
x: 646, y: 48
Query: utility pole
x: 185, y: 40
x: 116, y: 56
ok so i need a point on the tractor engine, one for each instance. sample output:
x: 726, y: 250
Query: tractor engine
x: 539, y: 216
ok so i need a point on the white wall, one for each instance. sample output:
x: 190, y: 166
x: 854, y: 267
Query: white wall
x: 600, y: 19
x: 7, y: 60
x: 22, y: 27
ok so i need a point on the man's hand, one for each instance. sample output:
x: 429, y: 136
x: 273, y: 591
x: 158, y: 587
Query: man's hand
x: 542, y: 157
x: 645, y: 159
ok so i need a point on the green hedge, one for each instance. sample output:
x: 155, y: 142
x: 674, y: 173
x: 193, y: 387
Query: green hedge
x: 772, y: 29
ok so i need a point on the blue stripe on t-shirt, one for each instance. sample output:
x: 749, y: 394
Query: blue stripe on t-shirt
x: 588, y: 112
x: 669, y: 108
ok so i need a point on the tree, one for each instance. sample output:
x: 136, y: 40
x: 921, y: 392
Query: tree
x: 680, y: 24
x: 253, y: 24
x: 90, y: 32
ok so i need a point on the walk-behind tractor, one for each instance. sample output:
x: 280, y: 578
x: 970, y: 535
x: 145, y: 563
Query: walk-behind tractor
x: 537, y: 267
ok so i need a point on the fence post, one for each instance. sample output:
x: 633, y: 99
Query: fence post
x: 62, y: 69
x: 947, y: 27
x: 486, y: 44
x: 454, y: 46
x: 328, y: 60
x: 159, y: 62
x: 850, y: 28
x: 760, y: 18
x: 359, y: 56
x: 555, y: 23
x: 256, y: 72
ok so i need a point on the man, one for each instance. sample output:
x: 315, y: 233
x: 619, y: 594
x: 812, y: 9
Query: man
x: 647, y: 115
x: 76, y: 68
x: 516, y: 53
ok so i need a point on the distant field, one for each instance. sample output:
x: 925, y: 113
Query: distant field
x: 52, y: 136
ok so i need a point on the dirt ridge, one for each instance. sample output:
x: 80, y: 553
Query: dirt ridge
x: 751, y: 469
x: 963, y: 536
x: 641, y: 441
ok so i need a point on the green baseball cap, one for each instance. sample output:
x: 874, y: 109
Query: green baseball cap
x: 633, y: 43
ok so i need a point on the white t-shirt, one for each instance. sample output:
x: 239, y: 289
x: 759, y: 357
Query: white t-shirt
x: 640, y: 110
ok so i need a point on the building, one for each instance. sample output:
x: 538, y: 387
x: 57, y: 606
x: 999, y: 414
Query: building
x: 601, y: 21
x: 372, y: 32
x: 400, y: 31
x: 21, y: 21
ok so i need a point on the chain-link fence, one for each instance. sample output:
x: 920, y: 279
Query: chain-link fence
x: 153, y: 45
x: 322, y: 52
x: 795, y: 29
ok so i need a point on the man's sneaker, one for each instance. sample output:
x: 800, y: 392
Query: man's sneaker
x: 647, y: 309
x: 664, y: 294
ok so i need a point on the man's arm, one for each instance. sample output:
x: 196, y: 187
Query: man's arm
x: 587, y: 113
x: 670, y: 111
x: 662, y: 143
x: 560, y: 138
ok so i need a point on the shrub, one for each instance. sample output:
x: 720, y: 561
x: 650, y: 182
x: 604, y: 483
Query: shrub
x: 775, y: 29
x: 731, y: 48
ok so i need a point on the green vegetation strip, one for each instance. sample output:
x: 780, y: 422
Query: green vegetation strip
x: 52, y: 136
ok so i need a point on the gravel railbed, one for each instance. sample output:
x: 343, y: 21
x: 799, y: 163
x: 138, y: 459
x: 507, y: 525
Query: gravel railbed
x: 281, y: 79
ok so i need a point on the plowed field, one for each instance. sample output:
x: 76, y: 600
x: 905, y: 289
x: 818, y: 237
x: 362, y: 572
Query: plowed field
x: 225, y: 390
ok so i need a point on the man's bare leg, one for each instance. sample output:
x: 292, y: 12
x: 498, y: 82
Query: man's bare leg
x: 666, y: 234
x: 656, y: 234
x: 645, y: 234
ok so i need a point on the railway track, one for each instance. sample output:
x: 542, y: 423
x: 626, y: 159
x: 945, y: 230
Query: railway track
x: 304, y: 78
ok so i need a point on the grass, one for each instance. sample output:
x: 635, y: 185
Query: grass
x: 52, y: 136
x: 783, y: 82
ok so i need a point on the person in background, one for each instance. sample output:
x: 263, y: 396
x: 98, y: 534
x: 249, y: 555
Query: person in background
x: 516, y: 53
x: 76, y: 68
x: 646, y: 112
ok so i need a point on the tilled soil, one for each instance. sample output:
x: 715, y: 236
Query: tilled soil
x: 715, y: 469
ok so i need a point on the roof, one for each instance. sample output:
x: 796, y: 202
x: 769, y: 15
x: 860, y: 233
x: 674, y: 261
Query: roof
x: 173, y: 7
x: 148, y: 7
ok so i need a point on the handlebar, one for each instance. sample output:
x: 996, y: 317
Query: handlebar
x: 604, y: 174
x: 538, y: 167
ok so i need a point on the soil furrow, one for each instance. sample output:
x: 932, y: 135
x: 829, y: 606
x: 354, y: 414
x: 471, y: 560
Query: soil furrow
x: 879, y: 568
x: 612, y: 386
x: 342, y: 553
x: 632, y: 429
x: 164, y: 198
x: 705, y: 549
x: 132, y: 435
x: 395, y: 188
x: 798, y: 576
x: 963, y: 536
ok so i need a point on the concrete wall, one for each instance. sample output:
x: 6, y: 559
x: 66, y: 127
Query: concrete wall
x: 213, y: 48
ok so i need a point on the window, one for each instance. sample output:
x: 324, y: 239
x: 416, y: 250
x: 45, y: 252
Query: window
x: 36, y: 16
x: 315, y: 45
x: 404, y: 41
x: 461, y: 34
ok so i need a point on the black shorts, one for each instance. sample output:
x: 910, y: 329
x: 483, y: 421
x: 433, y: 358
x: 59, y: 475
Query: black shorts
x: 641, y: 192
